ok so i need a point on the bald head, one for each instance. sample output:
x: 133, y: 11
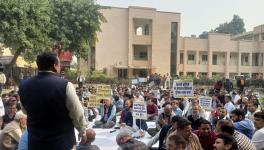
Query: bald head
x: 168, y: 109
x: 90, y: 134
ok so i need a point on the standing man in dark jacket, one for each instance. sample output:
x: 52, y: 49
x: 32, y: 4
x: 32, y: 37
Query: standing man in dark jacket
x: 52, y: 106
x: 228, y: 85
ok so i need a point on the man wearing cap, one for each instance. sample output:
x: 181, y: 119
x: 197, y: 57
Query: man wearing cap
x: 52, y: 106
x: 126, y: 142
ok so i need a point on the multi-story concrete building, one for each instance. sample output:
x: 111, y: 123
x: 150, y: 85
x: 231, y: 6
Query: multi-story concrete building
x: 139, y: 41
x: 222, y: 54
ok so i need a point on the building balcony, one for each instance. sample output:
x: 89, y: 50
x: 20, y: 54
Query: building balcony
x: 141, y: 63
x: 142, y: 39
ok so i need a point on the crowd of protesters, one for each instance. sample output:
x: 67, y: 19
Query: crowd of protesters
x: 234, y: 122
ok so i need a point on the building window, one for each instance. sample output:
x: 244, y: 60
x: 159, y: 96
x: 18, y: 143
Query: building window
x: 140, y: 52
x: 181, y: 58
x: 140, y: 72
x: 244, y: 59
x: 142, y: 26
x: 139, y: 31
x: 146, y: 29
x: 255, y: 59
x: 214, y: 59
x: 191, y: 59
x: 174, y: 45
x: 122, y: 73
x: 204, y: 58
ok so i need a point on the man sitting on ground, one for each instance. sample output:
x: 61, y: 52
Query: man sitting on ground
x: 225, y: 142
x: 126, y: 142
x: 241, y: 124
x: 108, y: 119
x: 226, y: 127
x: 258, y: 137
x: 195, y: 117
x: 205, y: 134
x: 175, y: 142
x: 87, y: 145
x: 184, y: 129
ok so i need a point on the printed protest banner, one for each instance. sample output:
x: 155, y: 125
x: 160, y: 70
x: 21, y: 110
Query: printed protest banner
x: 205, y: 102
x: 183, y: 88
x: 93, y: 101
x: 140, y: 110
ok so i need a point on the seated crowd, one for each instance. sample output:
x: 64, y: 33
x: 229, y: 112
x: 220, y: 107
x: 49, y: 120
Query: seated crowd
x: 234, y: 122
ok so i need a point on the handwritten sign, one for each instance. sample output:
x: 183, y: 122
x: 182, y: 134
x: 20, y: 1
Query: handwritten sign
x: 93, y: 101
x: 140, y: 110
x: 103, y: 91
x: 205, y: 102
x: 183, y: 88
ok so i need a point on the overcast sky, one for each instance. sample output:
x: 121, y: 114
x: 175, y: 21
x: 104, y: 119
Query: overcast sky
x: 202, y: 15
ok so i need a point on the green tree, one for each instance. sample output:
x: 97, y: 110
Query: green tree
x: 235, y: 26
x: 75, y: 24
x: 24, y: 25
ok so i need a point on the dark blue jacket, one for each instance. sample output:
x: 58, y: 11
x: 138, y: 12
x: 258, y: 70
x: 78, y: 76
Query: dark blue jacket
x: 108, y: 114
x: 49, y: 124
x: 126, y: 117
x: 141, y: 124
x: 163, y: 132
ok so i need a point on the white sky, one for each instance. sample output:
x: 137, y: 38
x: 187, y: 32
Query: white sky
x: 202, y: 15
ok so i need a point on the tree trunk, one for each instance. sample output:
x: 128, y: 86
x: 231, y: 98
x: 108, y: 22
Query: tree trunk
x: 8, y: 68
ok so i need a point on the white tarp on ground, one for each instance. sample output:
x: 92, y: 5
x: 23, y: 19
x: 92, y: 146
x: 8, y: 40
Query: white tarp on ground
x: 106, y: 140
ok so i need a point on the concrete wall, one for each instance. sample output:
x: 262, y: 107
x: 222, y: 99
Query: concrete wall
x: 112, y: 46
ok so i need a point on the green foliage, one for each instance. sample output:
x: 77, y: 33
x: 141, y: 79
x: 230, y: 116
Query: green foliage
x: 98, y: 74
x: 204, y: 35
x: 30, y: 27
x: 70, y: 74
x: 75, y: 23
x: 235, y: 26
x: 24, y: 25
x: 216, y: 77
x: 186, y: 77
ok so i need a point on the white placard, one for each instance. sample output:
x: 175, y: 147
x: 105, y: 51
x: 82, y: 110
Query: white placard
x: 151, y: 84
x: 183, y: 88
x: 156, y: 93
x: 140, y: 110
x: 142, y: 80
x: 205, y: 102
x: 134, y: 81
